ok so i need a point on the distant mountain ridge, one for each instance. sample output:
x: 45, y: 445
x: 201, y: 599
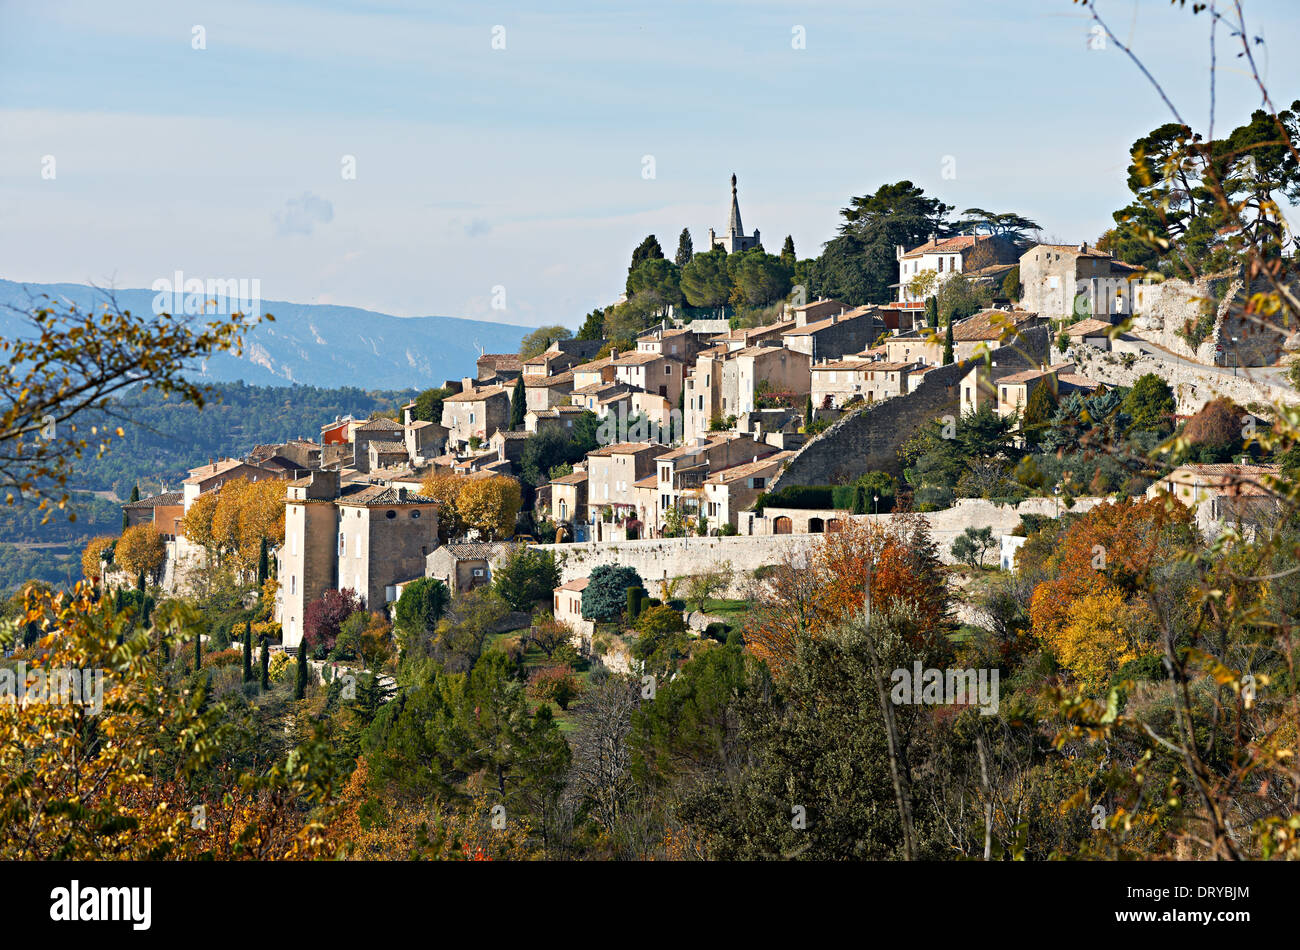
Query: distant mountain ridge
x: 316, y: 344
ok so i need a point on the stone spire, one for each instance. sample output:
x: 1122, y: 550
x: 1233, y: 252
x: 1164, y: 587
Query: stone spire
x: 733, y: 225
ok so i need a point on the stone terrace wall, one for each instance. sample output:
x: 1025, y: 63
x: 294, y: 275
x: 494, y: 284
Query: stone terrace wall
x: 869, y: 440
x: 1193, y: 386
x: 656, y: 560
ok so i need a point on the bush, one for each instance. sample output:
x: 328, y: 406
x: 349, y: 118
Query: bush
x: 223, y: 658
x: 554, y: 684
x: 797, y: 496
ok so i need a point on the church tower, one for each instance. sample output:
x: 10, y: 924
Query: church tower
x: 734, y: 239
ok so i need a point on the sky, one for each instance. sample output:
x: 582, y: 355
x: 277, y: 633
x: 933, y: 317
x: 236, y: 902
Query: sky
x: 496, y: 161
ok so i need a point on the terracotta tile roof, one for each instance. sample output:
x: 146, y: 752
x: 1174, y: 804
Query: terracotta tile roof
x: 502, y: 361
x: 575, y: 478
x: 475, y: 550
x: 737, y: 472
x: 547, y: 382
x: 384, y: 495
x: 1025, y: 376
x: 1089, y: 327
x: 650, y: 481
x: 621, y: 448
x: 157, y: 501
x: 990, y: 325
x: 577, y: 584
x: 808, y: 329
x: 380, y: 424
x: 946, y: 245
x: 479, y: 395
x: 204, y: 472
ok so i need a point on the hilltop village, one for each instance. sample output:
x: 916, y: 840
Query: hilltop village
x: 705, y: 444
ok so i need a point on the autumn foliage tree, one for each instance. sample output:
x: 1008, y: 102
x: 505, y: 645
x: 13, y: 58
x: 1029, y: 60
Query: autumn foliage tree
x: 1094, y: 575
x: 140, y: 550
x: 94, y: 554
x: 828, y: 585
x: 325, y: 615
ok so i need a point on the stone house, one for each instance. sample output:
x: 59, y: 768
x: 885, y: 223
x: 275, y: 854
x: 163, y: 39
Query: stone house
x: 561, y: 418
x: 836, y: 336
x: 1060, y: 280
x: 746, y: 373
x: 741, y: 337
x: 1195, y: 483
x: 612, y: 470
x: 547, y: 392
x: 366, y: 538
x: 835, y: 382
x: 703, y: 399
x: 1014, y: 390
x: 945, y: 257
x: 732, y: 490
x: 499, y: 367
x: 475, y: 413
x: 377, y: 429
x: 509, y: 446
x: 680, y: 473
x: 567, y: 604
x: 216, y: 473
x: 679, y: 343
x: 424, y: 440
x: 385, y: 453
x: 569, y: 499
x: 1091, y: 332
x: 820, y: 309
x: 464, y: 565
x: 163, y: 511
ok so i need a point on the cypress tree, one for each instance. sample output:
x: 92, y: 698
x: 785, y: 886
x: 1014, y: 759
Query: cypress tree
x: 300, y: 687
x: 139, y: 582
x: 932, y: 312
x: 787, y: 252
x: 198, y: 652
x: 248, y: 651
x: 266, y: 665
x: 263, y: 565
x: 807, y: 411
x: 947, y: 343
x: 685, y: 248
x: 518, y: 401
x: 135, y: 496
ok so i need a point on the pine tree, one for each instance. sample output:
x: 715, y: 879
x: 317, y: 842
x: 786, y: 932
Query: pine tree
x: 266, y: 664
x: 248, y: 651
x: 300, y: 687
x: 517, y: 404
x: 685, y: 249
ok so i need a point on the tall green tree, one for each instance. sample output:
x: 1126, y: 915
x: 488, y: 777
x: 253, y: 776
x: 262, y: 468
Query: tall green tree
x: 685, y: 248
x: 540, y: 340
x: 518, y: 404
x: 705, y: 281
x: 248, y: 651
x: 135, y: 496
x: 300, y: 682
x: 593, y: 326
x: 787, y: 253
x: 860, y: 264
x: 526, y: 577
x: 266, y: 665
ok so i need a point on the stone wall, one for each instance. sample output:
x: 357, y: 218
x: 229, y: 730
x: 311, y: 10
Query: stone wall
x: 1193, y: 386
x: 657, y: 560
x: 868, y: 440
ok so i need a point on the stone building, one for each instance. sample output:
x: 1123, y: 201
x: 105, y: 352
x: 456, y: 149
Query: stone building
x: 216, y: 473
x: 836, y: 336
x: 464, y: 565
x: 1062, y: 280
x: 835, y: 382
x: 163, y: 511
x: 613, y: 470
x: 734, y: 238
x: 747, y: 373
x: 731, y: 490
x: 475, y: 413
x: 364, y: 538
x: 944, y: 257
x: 379, y: 429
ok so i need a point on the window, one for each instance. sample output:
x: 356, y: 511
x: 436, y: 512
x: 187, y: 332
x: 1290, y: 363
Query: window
x: 478, y: 572
x: 668, y: 369
x: 343, y: 545
x: 415, y: 514
x: 390, y: 514
x: 293, y: 583
x: 941, y: 265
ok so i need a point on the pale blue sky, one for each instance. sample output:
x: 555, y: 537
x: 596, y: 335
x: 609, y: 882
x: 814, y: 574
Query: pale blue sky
x: 522, y: 167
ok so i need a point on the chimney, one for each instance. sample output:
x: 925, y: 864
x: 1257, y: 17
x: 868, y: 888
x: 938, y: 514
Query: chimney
x: 401, y: 494
x: 1084, y: 247
x: 613, y: 356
